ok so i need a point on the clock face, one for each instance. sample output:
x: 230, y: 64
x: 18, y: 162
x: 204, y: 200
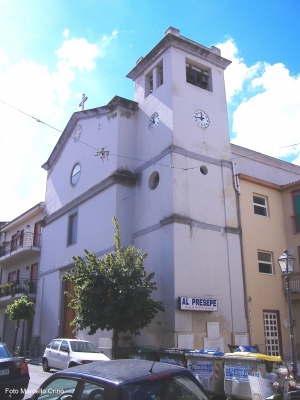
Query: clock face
x: 153, y: 121
x: 77, y: 133
x: 201, y: 118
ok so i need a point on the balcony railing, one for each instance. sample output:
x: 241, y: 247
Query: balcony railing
x: 294, y: 283
x: 23, y: 286
x: 26, y: 240
x: 296, y: 223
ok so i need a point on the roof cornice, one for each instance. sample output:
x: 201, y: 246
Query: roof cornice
x: 280, y: 188
x: 115, y: 103
x: 172, y: 38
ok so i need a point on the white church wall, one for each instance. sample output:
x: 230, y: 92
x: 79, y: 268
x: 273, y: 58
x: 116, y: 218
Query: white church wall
x: 96, y: 133
x: 212, y: 141
x: 263, y: 167
x: 160, y: 260
x: 199, y: 196
x: 150, y: 206
x: 47, y: 323
x: 205, y: 266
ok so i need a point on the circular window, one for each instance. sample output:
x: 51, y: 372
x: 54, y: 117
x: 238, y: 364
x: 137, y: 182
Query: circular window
x: 153, y: 180
x: 203, y: 170
x: 75, y: 174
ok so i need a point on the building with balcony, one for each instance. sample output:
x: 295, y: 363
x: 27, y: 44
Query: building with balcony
x: 268, y: 213
x: 20, y: 249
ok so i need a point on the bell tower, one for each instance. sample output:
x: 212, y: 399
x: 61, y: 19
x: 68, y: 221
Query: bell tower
x: 183, y: 83
x: 182, y: 124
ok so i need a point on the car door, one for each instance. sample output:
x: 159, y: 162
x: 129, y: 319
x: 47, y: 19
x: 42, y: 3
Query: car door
x: 91, y: 391
x: 64, y: 355
x: 53, y: 354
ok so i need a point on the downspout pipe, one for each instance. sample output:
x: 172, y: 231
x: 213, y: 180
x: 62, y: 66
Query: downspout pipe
x: 238, y: 193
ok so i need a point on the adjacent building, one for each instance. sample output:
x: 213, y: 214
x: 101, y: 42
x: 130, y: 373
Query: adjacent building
x: 269, y: 226
x: 20, y: 250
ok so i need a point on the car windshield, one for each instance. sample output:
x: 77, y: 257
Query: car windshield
x: 83, y: 347
x: 5, y: 351
x: 179, y: 387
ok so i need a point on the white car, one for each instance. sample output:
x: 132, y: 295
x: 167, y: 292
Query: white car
x: 65, y: 353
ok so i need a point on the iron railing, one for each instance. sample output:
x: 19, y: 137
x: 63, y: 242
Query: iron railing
x: 294, y: 283
x: 25, y: 240
x: 25, y: 286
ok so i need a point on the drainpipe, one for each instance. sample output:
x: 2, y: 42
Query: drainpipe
x: 236, y: 180
x: 238, y: 191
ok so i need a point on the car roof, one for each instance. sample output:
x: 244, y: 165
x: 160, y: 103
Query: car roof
x: 123, y: 370
x: 71, y: 340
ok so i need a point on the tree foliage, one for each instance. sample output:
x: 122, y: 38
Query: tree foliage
x: 114, y: 292
x: 21, y: 309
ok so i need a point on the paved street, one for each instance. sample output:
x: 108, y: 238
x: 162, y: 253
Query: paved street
x: 37, y: 377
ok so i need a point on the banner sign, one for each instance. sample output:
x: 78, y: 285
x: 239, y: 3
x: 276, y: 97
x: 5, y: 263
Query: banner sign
x: 202, y: 368
x: 239, y: 374
x: 198, y: 304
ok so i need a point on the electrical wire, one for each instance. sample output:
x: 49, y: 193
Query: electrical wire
x: 136, y: 159
x: 38, y: 120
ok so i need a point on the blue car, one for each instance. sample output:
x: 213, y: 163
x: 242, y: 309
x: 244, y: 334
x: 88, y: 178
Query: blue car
x: 122, y: 380
x: 14, y: 374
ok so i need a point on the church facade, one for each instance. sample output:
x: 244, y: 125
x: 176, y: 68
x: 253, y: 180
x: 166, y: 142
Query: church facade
x: 164, y: 169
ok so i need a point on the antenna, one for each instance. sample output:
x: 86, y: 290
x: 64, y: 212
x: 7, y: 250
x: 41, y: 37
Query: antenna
x: 150, y: 370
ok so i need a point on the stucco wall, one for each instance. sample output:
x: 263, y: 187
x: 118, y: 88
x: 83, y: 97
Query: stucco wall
x: 264, y: 291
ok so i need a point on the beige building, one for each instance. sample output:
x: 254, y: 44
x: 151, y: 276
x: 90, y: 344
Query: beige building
x: 268, y: 209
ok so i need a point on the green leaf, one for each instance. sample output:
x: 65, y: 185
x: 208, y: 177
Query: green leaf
x: 114, y: 292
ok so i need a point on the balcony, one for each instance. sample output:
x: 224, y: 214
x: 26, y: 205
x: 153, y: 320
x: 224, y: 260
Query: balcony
x: 294, y: 284
x: 13, y: 290
x: 21, y: 247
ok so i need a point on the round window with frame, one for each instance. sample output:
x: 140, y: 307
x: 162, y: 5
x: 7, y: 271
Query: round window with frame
x: 75, y: 175
x: 153, y: 180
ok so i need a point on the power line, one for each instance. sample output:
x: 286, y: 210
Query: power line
x: 131, y: 158
x: 38, y: 120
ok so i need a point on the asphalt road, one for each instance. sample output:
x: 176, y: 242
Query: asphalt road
x: 37, y: 377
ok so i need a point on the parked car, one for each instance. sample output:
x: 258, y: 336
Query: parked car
x: 65, y: 353
x: 14, y: 374
x: 122, y: 380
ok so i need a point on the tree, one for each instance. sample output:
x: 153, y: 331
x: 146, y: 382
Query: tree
x: 114, y: 292
x: 21, y: 309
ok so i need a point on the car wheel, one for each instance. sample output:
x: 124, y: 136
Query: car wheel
x: 72, y: 364
x: 45, y: 365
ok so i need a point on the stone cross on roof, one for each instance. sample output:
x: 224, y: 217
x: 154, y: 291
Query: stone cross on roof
x: 84, y: 99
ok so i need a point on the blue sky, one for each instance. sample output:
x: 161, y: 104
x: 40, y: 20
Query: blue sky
x: 53, y: 51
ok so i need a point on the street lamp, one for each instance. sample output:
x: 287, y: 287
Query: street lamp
x: 286, y: 263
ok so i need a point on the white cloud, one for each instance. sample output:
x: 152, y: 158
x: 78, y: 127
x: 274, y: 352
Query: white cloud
x: 42, y: 93
x: 106, y: 40
x: 3, y: 59
x: 270, y: 120
x: 79, y: 53
x: 267, y: 105
x: 237, y: 73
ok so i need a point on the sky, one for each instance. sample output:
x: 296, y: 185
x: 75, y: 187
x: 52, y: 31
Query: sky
x: 53, y: 51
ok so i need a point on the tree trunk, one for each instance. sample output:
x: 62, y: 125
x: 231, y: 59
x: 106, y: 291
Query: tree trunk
x: 115, y: 345
x: 22, y: 340
x: 16, y: 334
